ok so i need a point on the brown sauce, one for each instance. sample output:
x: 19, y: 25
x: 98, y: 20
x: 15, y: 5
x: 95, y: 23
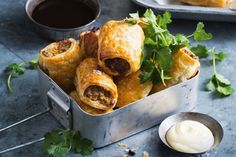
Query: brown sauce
x: 63, y: 13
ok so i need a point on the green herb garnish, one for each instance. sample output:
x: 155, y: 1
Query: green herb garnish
x: 15, y: 70
x: 159, y: 44
x: 59, y: 142
x: 218, y: 82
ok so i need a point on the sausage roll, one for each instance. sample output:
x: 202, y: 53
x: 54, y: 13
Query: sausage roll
x: 89, y: 42
x: 130, y: 89
x: 208, y: 3
x: 95, y: 88
x: 59, y: 60
x: 120, y: 48
x: 185, y: 65
x: 88, y: 108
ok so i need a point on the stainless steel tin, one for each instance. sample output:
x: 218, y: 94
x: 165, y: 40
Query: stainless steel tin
x: 57, y: 33
x: 123, y: 122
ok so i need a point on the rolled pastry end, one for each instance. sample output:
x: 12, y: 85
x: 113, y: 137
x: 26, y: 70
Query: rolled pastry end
x: 99, y: 95
x: 120, y: 48
x: 59, y: 60
x: 118, y: 66
x: 95, y: 87
x: 88, y: 108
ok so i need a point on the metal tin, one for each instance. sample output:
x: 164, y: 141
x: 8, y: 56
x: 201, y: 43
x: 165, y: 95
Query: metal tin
x: 57, y: 33
x: 123, y: 122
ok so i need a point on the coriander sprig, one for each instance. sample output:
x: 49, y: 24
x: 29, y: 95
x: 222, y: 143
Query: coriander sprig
x: 59, y: 142
x: 218, y: 82
x: 159, y: 44
x: 15, y: 70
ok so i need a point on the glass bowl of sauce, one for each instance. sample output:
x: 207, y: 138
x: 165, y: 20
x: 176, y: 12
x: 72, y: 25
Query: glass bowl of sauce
x: 59, y: 19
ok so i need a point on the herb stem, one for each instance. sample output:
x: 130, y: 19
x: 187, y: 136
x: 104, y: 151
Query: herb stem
x: 213, y: 60
x: 190, y: 36
x: 9, y: 83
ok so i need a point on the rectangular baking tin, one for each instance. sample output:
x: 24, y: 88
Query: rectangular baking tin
x: 123, y: 122
x: 189, y: 12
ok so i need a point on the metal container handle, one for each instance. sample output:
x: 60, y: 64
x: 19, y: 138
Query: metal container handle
x: 59, y: 107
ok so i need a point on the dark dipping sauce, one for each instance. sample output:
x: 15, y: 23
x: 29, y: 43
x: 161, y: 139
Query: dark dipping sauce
x: 63, y: 13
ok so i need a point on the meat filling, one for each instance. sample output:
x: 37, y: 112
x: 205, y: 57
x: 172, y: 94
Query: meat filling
x: 61, y: 47
x: 118, y: 65
x: 96, y: 93
x: 190, y: 54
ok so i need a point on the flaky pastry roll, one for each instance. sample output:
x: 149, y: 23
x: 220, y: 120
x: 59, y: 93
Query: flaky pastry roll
x: 89, y: 42
x: 185, y: 65
x: 59, y: 60
x: 95, y: 88
x: 120, y: 48
x: 88, y: 108
x: 130, y: 89
x: 207, y: 3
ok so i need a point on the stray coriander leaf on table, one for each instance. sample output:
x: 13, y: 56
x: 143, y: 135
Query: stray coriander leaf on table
x: 200, y: 33
x: 59, y: 142
x: 200, y: 50
x: 218, y: 82
x: 15, y: 70
x: 220, y: 56
x: 33, y: 63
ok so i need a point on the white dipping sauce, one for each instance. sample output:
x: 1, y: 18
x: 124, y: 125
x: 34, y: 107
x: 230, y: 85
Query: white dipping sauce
x: 190, y: 137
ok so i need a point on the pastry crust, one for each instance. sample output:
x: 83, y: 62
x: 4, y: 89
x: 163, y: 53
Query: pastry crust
x: 130, y: 89
x: 184, y: 66
x: 59, y: 60
x: 89, y: 42
x: 88, y: 108
x: 208, y: 3
x: 95, y: 88
x: 118, y: 40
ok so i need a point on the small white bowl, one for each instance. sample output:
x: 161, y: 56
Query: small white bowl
x: 208, y: 121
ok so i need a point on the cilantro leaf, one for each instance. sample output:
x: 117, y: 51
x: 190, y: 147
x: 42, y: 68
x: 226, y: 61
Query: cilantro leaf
x: 225, y: 91
x: 220, y: 56
x: 164, y: 20
x: 164, y: 58
x: 59, y: 142
x: 15, y: 70
x: 210, y: 86
x: 221, y: 79
x: 200, y: 50
x: 150, y: 16
x: 218, y: 82
x: 33, y: 63
x: 200, y: 34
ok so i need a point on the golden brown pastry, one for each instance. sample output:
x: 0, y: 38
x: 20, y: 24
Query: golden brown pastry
x: 89, y: 42
x: 130, y: 89
x: 88, y: 108
x: 59, y: 60
x: 120, y: 48
x: 184, y: 66
x: 208, y: 3
x: 95, y: 88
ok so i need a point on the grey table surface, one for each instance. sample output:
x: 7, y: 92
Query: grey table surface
x: 19, y: 42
